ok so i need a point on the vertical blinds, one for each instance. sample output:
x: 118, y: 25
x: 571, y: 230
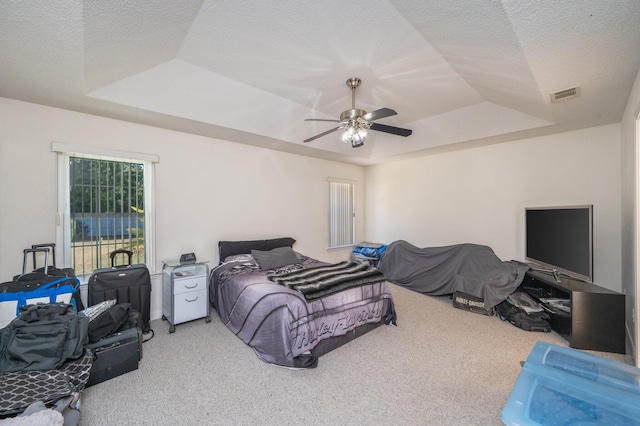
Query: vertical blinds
x: 341, y: 214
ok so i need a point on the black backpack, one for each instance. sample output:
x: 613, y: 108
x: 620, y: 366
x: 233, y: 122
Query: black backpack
x: 535, y: 321
x: 109, y: 321
x: 43, y: 337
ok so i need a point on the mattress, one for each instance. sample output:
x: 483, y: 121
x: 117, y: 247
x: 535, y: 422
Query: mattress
x: 278, y: 322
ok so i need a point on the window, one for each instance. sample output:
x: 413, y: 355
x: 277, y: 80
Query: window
x: 342, y: 216
x: 105, y: 203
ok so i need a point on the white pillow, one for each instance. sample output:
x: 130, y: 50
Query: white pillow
x: 246, y: 258
x: 93, y: 311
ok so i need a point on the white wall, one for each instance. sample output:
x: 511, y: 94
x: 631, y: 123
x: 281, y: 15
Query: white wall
x: 479, y: 195
x: 243, y: 192
x: 629, y: 173
x: 235, y: 191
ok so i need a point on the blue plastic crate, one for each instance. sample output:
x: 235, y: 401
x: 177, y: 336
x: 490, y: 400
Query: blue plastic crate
x: 564, y: 386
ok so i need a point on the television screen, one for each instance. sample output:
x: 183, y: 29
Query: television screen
x: 561, y: 238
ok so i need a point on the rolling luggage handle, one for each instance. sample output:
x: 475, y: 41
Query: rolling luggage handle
x: 51, y: 246
x: 49, y: 270
x: 114, y: 253
x: 34, y: 251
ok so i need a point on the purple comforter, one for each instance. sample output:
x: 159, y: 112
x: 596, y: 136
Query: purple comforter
x: 278, y: 323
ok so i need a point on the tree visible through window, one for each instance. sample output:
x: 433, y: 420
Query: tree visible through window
x: 105, y: 203
x: 106, y: 211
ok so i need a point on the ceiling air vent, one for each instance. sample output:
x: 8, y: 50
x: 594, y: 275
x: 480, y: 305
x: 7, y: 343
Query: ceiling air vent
x: 565, y: 95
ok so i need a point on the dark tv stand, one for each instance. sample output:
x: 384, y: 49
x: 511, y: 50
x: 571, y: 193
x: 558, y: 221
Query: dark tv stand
x: 596, y: 321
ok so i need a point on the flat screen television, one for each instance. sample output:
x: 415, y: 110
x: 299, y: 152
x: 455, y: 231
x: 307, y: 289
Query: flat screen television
x: 561, y: 239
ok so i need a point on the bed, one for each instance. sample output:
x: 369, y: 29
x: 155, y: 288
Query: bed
x: 472, y: 269
x: 269, y: 296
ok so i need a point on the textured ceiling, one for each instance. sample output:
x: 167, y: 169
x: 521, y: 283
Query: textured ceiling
x: 459, y: 73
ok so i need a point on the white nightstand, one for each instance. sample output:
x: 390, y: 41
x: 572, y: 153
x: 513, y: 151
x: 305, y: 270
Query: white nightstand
x: 185, y: 295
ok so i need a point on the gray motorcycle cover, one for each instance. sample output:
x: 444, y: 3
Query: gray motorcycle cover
x: 437, y: 271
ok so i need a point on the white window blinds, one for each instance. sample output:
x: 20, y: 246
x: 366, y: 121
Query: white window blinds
x: 341, y: 213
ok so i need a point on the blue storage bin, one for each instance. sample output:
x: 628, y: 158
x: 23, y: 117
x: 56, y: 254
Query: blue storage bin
x: 564, y: 386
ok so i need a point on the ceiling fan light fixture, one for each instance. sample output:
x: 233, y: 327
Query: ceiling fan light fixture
x: 355, y: 123
x: 348, y: 134
x: 355, y: 133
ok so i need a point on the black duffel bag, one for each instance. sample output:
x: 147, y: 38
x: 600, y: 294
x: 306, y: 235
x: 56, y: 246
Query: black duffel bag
x: 109, y: 321
x: 43, y: 337
x: 534, y: 321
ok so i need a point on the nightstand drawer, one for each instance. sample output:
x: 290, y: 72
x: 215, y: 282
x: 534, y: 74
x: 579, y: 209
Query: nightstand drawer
x: 183, y: 285
x: 189, y: 306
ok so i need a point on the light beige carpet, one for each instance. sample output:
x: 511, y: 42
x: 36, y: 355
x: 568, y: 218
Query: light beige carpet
x: 440, y: 366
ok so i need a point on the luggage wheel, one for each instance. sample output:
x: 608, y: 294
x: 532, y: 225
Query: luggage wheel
x: 208, y: 319
x: 172, y: 329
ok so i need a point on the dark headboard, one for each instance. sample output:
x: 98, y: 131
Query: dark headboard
x: 230, y: 248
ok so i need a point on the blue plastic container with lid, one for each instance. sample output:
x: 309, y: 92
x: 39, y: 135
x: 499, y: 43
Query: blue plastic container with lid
x: 564, y: 386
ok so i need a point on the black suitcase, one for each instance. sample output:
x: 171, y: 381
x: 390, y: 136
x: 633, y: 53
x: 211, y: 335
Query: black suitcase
x: 47, y: 271
x: 124, y: 283
x: 115, y: 355
x: 37, y: 287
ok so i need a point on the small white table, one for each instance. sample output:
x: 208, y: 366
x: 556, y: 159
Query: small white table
x: 185, y: 295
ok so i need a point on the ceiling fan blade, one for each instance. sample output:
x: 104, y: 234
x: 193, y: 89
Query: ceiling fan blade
x: 378, y: 114
x: 321, y: 119
x: 321, y: 135
x: 390, y: 129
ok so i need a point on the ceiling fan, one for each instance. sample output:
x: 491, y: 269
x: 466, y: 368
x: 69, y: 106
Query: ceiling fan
x: 357, y: 122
